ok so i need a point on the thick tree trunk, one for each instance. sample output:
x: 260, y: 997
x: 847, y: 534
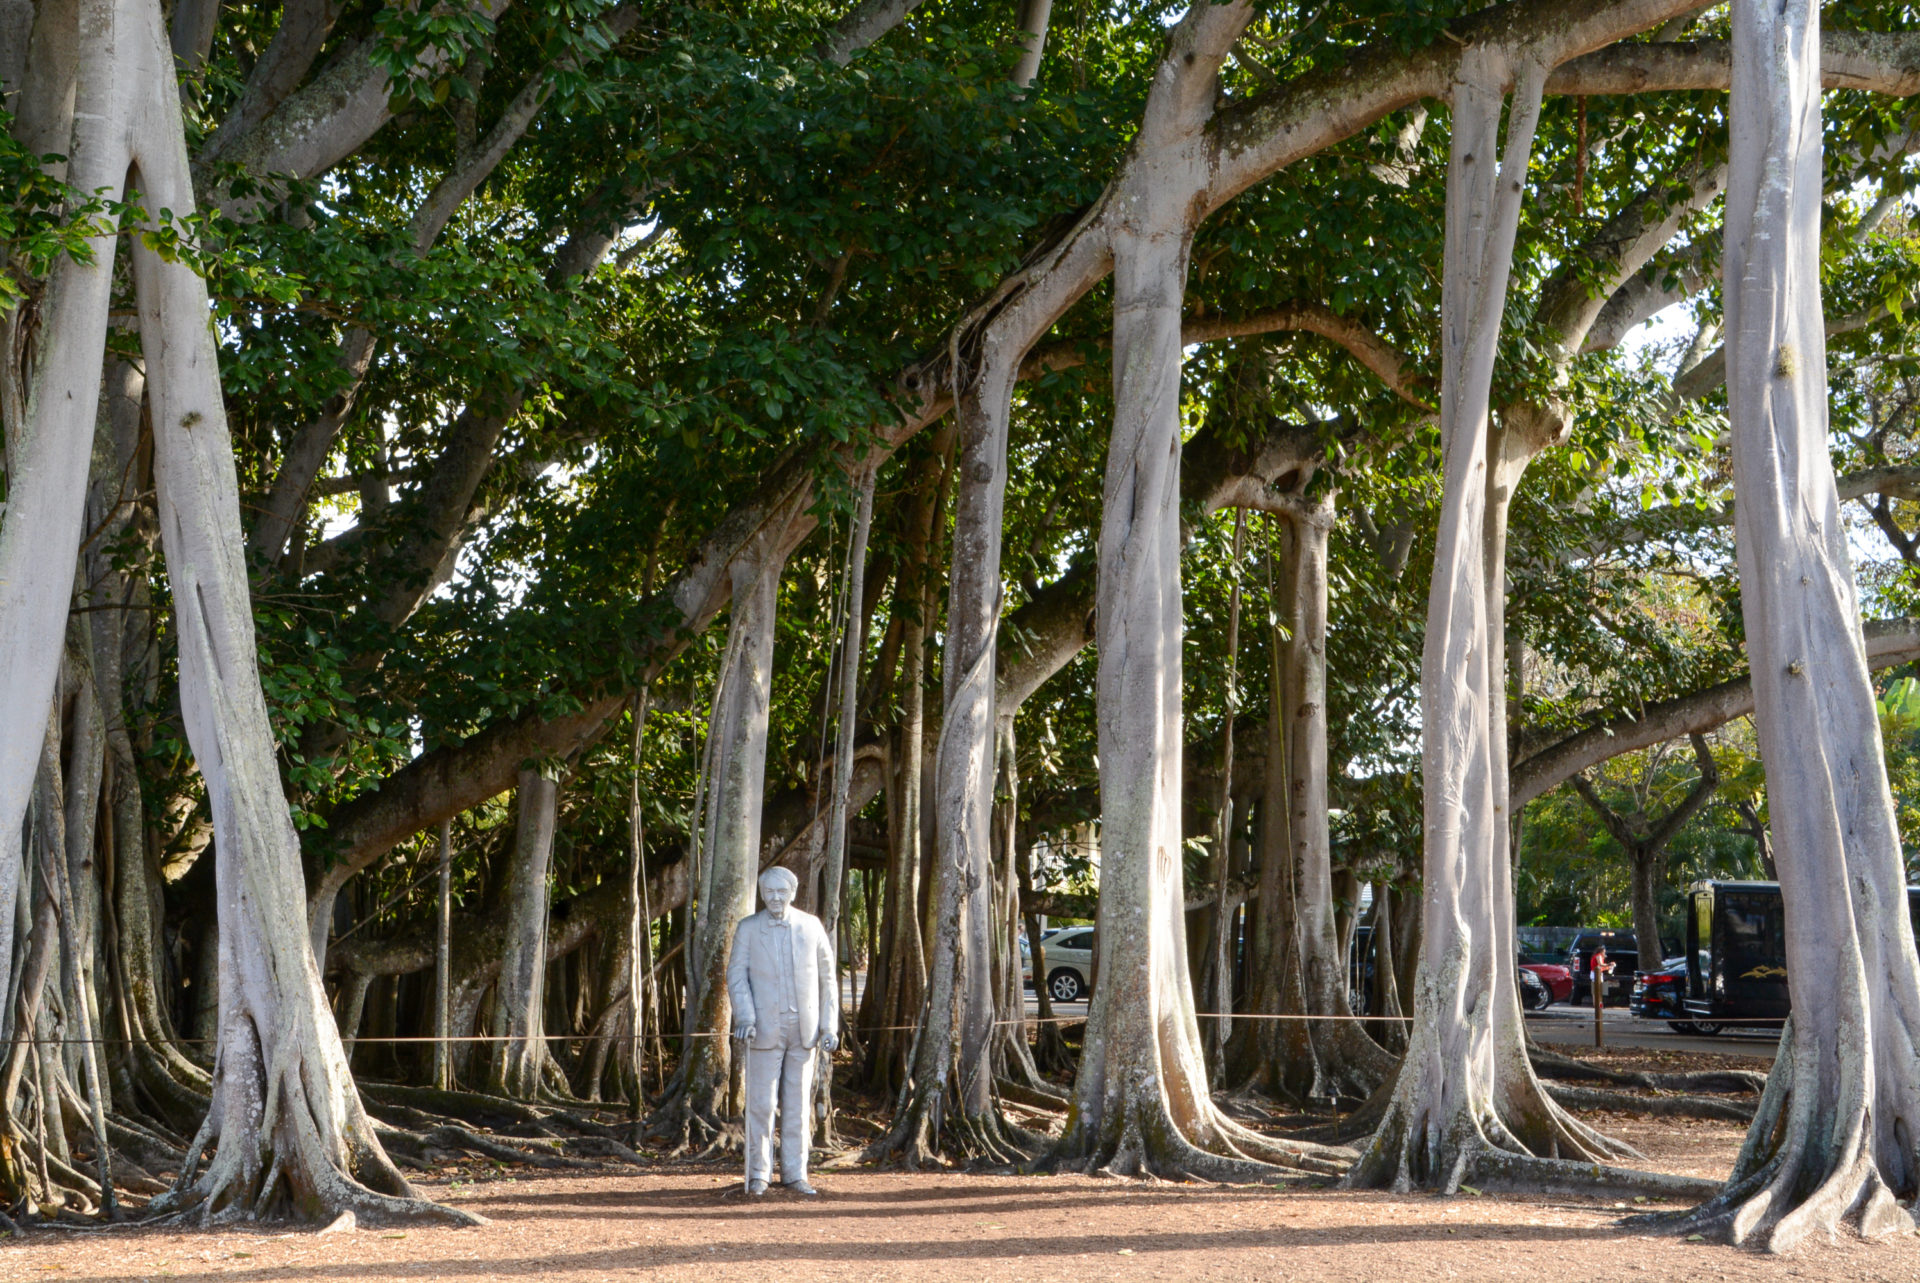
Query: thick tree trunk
x: 1141, y: 1100
x: 49, y: 414
x: 1466, y: 1106
x: 1838, y: 1130
x: 521, y: 1067
x: 288, y: 1124
x: 949, y: 1092
x: 697, y: 1106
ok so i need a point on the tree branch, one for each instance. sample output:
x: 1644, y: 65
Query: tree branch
x: 1889, y: 643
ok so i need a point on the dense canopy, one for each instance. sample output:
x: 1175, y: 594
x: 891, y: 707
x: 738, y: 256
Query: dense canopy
x: 1253, y: 476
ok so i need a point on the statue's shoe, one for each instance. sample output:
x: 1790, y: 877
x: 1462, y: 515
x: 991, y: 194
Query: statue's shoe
x: 756, y: 1189
x: 803, y: 1189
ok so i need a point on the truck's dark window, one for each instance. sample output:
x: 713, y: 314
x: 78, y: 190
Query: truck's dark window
x: 1753, y: 938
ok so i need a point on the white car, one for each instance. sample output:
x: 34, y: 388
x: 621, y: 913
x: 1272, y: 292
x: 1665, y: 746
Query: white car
x: 1069, y: 954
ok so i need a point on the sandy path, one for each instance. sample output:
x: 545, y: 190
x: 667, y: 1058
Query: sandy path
x: 687, y: 1223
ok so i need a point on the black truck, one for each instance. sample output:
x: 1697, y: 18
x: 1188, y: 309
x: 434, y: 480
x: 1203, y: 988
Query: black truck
x: 1736, y: 953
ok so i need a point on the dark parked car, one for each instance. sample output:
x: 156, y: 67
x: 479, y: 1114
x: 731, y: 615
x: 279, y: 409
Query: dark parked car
x: 1534, y: 994
x: 1622, y: 952
x: 1661, y: 994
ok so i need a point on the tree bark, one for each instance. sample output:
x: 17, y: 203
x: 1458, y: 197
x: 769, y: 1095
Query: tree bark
x: 1303, y: 1061
x: 288, y: 1123
x: 1645, y: 843
x: 1838, y: 1130
x: 698, y: 1104
x: 1466, y: 1106
x: 521, y: 1068
x: 949, y: 1091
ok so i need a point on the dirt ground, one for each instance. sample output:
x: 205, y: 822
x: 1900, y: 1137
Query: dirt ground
x: 691, y: 1223
x: 679, y: 1221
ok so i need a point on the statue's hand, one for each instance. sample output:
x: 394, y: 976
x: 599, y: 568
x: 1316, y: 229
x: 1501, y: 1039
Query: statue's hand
x: 830, y: 1042
x: 744, y: 1032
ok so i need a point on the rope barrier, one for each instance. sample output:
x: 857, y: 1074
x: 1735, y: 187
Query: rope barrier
x: 391, y: 1039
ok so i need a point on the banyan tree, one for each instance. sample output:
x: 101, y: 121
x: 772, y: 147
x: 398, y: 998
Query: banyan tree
x: 482, y: 485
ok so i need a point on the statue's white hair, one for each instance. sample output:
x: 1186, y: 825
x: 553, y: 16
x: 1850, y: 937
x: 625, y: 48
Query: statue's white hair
x: 780, y: 876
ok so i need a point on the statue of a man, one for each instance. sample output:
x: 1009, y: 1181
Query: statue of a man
x: 785, y: 992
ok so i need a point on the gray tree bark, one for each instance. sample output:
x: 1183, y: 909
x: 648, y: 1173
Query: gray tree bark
x: 1303, y: 970
x: 950, y: 1079
x: 289, y: 1127
x: 1466, y: 1106
x: 1141, y: 1099
x: 698, y: 1105
x: 1837, y: 1134
x: 521, y: 1067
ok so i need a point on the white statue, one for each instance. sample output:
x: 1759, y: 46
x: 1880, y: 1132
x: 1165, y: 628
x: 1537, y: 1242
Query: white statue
x: 785, y: 992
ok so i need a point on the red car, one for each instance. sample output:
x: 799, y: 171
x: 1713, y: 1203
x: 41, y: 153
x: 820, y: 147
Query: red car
x: 1557, y: 979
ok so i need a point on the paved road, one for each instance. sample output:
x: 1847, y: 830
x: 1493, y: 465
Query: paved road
x: 1573, y: 1027
x: 1559, y: 1025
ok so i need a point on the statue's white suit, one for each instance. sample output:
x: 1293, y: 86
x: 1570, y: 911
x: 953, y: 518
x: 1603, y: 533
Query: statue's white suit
x: 784, y: 988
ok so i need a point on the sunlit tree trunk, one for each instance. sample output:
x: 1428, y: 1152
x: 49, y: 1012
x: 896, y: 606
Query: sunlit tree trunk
x: 287, y: 1123
x: 1465, y: 1106
x: 696, y: 1108
x: 1838, y: 1131
x: 521, y: 1066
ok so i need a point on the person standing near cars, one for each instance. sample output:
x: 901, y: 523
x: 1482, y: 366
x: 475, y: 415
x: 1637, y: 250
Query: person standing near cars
x: 1598, y: 969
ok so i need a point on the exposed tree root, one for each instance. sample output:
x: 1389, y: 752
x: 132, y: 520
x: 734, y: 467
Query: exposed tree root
x: 1553, y: 1065
x: 475, y: 1107
x: 1466, y: 1156
x: 1525, y: 1174
x: 1660, y: 1106
x: 143, y: 1145
x: 1786, y: 1187
x: 684, y: 1131
x: 1141, y: 1138
x: 926, y: 1133
x: 457, y: 1138
x: 1163, y: 1152
x: 1033, y: 1096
